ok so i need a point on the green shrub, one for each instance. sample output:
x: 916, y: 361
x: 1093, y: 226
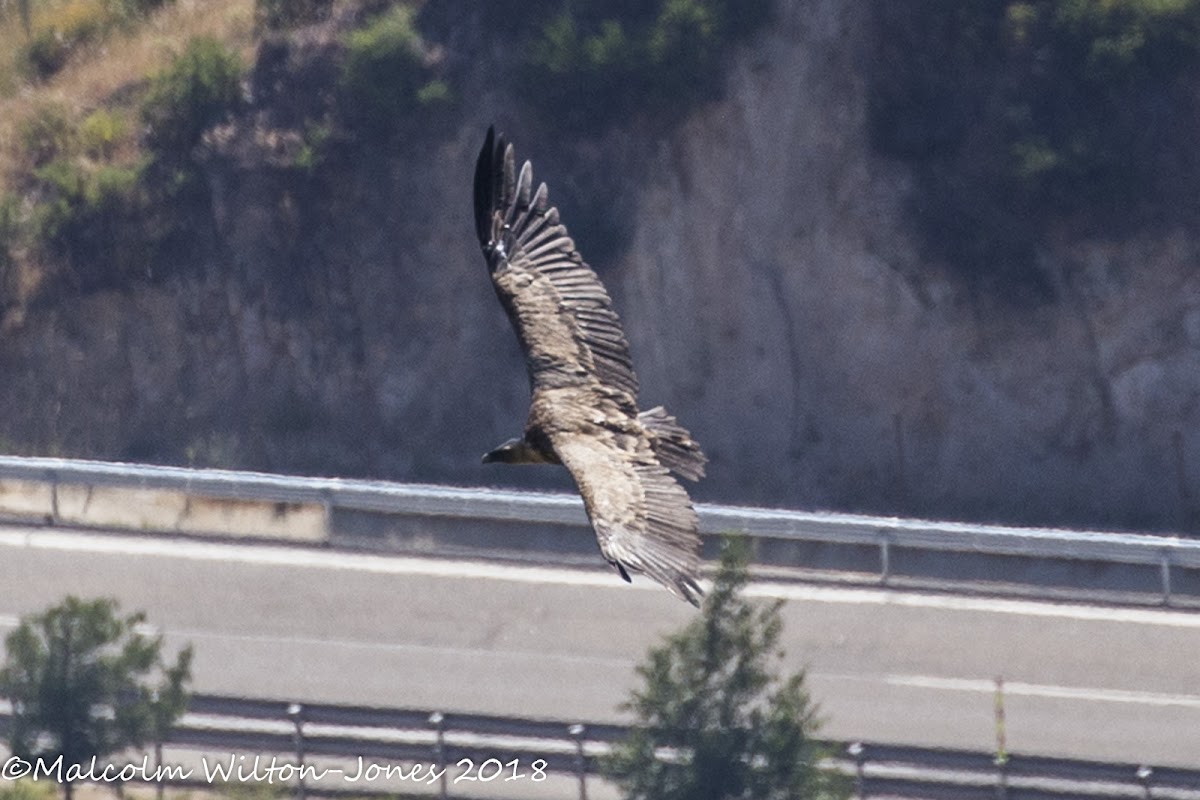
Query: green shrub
x: 46, y: 53
x: 91, y: 218
x: 197, y: 90
x: 75, y: 195
x: 601, y: 60
x: 281, y: 14
x: 312, y: 148
x: 1082, y: 68
x: 96, y: 219
x: 1021, y: 115
x: 101, y: 133
x: 385, y: 73
x: 572, y: 67
x: 592, y: 62
x: 62, y: 32
x: 62, y: 184
x: 46, y: 134
x: 435, y: 93
x: 9, y: 233
x: 10, y: 208
x: 26, y: 789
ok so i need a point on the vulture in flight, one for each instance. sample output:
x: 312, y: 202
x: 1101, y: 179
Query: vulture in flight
x: 583, y: 413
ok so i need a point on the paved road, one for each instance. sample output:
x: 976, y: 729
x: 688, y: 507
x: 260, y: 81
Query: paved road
x: 1082, y: 681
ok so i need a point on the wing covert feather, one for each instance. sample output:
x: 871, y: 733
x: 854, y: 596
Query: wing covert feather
x: 543, y: 282
x: 643, y: 518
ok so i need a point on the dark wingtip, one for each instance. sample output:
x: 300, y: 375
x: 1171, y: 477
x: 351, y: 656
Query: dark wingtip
x: 624, y: 574
x: 484, y: 191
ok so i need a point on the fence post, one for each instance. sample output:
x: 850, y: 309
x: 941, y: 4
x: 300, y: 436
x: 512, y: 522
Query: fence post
x: 858, y: 752
x: 159, y: 784
x: 52, y: 476
x: 327, y: 508
x: 885, y: 556
x: 1001, y: 744
x: 295, y: 713
x: 1145, y: 776
x: 1164, y: 566
x: 437, y: 720
x: 577, y: 730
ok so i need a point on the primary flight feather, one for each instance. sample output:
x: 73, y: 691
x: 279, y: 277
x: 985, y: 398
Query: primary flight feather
x: 583, y: 413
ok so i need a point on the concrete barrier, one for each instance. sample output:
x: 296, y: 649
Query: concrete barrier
x: 160, y: 511
x: 26, y: 499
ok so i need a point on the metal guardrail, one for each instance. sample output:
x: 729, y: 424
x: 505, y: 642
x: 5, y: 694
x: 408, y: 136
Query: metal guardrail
x: 228, y: 725
x: 884, y: 533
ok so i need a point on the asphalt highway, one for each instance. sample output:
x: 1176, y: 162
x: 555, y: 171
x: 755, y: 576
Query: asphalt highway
x: 1081, y: 681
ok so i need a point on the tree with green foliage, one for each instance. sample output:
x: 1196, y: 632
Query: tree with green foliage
x: 98, y: 219
x: 598, y: 61
x: 193, y: 93
x: 26, y: 789
x: 387, y: 72
x: 592, y: 63
x: 85, y: 683
x: 10, y: 214
x: 1024, y: 115
x: 168, y: 703
x: 716, y: 719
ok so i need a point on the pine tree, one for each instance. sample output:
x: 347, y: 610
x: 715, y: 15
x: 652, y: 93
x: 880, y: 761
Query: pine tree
x: 79, y: 678
x: 715, y: 718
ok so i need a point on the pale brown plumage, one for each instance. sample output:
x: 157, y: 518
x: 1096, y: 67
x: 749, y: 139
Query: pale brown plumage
x: 583, y: 412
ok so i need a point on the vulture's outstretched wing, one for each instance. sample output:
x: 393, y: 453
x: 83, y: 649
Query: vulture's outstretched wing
x: 643, y: 518
x: 584, y: 409
x: 561, y: 312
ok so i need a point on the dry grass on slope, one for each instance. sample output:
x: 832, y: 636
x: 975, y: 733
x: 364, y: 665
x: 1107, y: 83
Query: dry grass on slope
x: 97, y: 71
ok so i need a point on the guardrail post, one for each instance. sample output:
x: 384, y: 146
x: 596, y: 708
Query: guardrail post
x: 52, y: 477
x: 858, y: 753
x: 437, y: 720
x: 1145, y: 776
x: 159, y: 782
x: 885, y: 557
x: 1164, y: 566
x: 327, y: 509
x: 295, y: 713
x: 577, y: 731
x: 1001, y: 759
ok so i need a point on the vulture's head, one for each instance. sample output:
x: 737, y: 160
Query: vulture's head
x: 514, y: 451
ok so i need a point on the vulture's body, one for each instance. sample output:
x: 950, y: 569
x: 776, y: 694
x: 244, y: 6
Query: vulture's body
x: 583, y: 413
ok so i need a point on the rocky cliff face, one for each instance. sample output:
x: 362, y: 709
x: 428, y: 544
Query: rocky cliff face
x: 772, y: 293
x: 823, y: 365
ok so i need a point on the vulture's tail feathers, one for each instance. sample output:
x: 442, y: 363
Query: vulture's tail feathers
x: 674, y: 446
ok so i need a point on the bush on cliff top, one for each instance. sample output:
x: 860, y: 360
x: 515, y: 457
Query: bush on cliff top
x: 1024, y: 115
x: 197, y: 90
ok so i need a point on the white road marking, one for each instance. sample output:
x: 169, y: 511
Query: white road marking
x: 299, y: 557
x: 308, y: 558
x: 973, y: 685
x: 991, y: 605
x: 1020, y: 689
x: 294, y: 557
